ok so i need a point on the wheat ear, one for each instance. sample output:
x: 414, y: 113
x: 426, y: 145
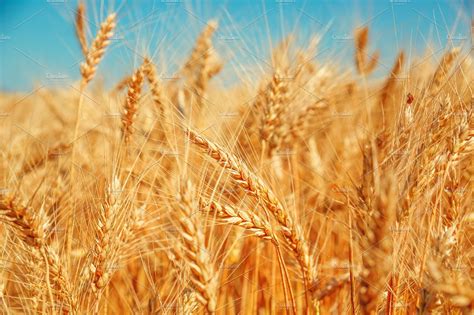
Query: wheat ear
x: 81, y: 27
x: 298, y: 126
x: 203, y: 64
x: 104, y: 248
x: 376, y: 243
x: 97, y: 49
x: 122, y: 84
x: 130, y: 107
x: 390, y: 84
x: 30, y: 228
x: 255, y: 187
x: 149, y: 71
x: 156, y: 90
x: 52, y: 154
x: 361, y: 40
x: 276, y: 99
x: 194, y: 252
x: 443, y: 68
x: 200, y: 52
x: 331, y: 287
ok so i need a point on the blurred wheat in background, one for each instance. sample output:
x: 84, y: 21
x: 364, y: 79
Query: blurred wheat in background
x: 310, y: 190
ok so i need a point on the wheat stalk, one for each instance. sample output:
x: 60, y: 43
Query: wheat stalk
x: 316, y: 196
x: 190, y: 303
x: 249, y: 133
x: 298, y: 126
x: 203, y: 44
x: 133, y: 224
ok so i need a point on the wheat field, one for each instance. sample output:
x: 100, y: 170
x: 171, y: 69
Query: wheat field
x: 312, y: 190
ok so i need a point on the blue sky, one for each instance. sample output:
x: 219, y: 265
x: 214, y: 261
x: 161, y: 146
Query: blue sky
x: 38, y: 47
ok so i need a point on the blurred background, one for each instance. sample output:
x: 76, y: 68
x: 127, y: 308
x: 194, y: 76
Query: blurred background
x: 38, y: 46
